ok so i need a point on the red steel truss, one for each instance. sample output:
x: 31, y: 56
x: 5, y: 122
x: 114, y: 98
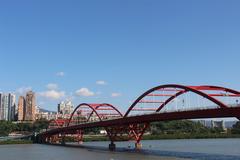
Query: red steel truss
x: 132, y: 127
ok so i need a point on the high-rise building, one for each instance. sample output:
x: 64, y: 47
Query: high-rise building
x: 5, y: 107
x: 11, y: 107
x: 1, y: 108
x: 68, y: 107
x: 21, y: 108
x: 30, y: 106
x: 65, y: 108
x: 61, y: 107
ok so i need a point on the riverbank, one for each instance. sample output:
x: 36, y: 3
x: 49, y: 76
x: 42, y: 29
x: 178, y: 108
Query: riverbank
x: 189, y: 136
x: 168, y: 136
x: 94, y: 138
x: 4, y: 142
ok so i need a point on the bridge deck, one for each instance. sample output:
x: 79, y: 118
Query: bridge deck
x: 207, y: 113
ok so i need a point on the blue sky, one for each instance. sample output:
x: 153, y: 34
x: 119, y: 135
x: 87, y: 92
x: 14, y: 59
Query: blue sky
x: 130, y: 45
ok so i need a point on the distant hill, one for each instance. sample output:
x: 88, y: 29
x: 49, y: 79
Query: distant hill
x: 45, y: 110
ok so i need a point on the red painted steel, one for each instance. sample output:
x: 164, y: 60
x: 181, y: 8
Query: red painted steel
x: 135, y: 126
x: 142, y: 101
x: 207, y: 113
x: 181, y: 90
x: 97, y: 108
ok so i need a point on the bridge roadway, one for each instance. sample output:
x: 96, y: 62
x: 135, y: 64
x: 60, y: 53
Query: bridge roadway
x: 135, y: 126
x: 147, y: 118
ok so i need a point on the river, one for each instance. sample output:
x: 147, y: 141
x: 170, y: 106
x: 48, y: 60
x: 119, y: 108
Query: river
x: 201, y: 149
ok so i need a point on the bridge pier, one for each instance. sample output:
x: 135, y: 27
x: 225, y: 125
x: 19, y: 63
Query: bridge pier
x: 138, y: 145
x: 63, y: 139
x: 48, y: 140
x: 112, y: 146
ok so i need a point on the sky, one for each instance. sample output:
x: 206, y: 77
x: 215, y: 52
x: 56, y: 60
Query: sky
x: 112, y: 51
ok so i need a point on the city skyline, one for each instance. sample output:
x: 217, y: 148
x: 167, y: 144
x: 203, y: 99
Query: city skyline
x: 106, y: 79
x: 113, y: 51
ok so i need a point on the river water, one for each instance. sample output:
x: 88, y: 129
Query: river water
x: 202, y: 149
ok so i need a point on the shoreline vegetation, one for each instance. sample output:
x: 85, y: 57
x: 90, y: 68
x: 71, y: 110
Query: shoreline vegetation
x: 189, y: 136
x: 7, y: 142
x: 181, y: 129
x: 145, y: 137
x: 169, y: 137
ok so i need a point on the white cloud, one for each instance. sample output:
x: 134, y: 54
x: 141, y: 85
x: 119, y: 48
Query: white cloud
x: 52, y: 86
x: 84, y: 92
x: 116, y: 94
x: 60, y: 74
x: 23, y: 90
x: 52, y: 94
x: 101, y: 82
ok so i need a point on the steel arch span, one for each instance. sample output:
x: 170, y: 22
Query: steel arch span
x: 94, y: 113
x: 91, y: 109
x: 175, y: 91
x: 56, y: 123
x: 118, y: 125
x: 180, y: 90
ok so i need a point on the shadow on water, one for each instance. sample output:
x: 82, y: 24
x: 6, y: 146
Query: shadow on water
x: 185, y: 155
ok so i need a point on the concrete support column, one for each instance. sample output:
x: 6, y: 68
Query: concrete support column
x: 138, y: 145
x: 48, y: 140
x: 112, y: 146
x: 63, y: 139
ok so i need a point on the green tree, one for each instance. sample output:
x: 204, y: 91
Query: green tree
x: 26, y: 127
x: 236, y: 128
x: 180, y: 126
x: 40, y: 124
x: 6, y: 127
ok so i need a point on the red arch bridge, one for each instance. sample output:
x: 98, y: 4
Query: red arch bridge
x: 161, y: 103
